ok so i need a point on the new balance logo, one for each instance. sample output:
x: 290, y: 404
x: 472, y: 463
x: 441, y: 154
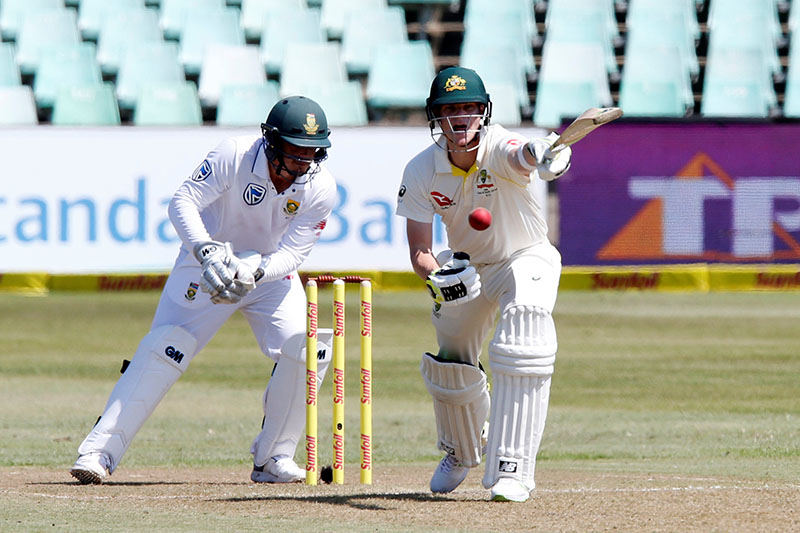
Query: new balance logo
x: 175, y: 355
x: 508, y: 467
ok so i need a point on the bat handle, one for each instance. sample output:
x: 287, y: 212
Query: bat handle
x: 552, y: 151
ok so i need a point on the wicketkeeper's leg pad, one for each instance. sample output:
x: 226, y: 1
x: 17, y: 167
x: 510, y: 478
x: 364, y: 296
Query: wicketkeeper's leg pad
x: 521, y: 356
x: 161, y: 358
x: 285, y: 397
x: 460, y: 403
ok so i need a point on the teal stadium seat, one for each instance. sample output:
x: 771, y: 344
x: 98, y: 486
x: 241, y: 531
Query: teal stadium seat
x: 583, y: 26
x: 12, y: 13
x: 296, y: 71
x: 727, y: 35
x: 740, y: 99
x: 256, y: 12
x: 205, y: 28
x: 660, y: 71
x: 663, y: 27
x: 563, y: 10
x: 123, y: 29
x: 505, y: 110
x: 174, y: 12
x: 505, y: 29
x: 147, y: 64
x: 246, y: 105
x: 400, y: 75
x: 173, y: 104
x: 92, y: 12
x: 335, y: 13
x: 644, y: 11
x: 477, y: 11
x: 286, y: 29
x: 741, y: 66
x: 652, y: 98
x: 17, y: 106
x: 94, y: 105
x: 50, y: 28
x: 9, y: 72
x: 367, y: 29
x: 499, y: 65
x: 65, y: 67
x: 791, y: 104
x: 228, y: 65
x: 558, y: 100
x: 343, y: 102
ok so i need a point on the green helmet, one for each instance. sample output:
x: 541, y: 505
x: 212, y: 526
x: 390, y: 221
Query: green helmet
x: 456, y: 85
x: 298, y: 121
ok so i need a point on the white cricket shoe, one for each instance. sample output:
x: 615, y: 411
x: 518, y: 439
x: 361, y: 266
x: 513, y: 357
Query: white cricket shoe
x: 510, y: 490
x: 279, y: 469
x: 91, y: 468
x: 448, y: 475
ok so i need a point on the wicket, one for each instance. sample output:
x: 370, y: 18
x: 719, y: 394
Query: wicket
x: 312, y: 382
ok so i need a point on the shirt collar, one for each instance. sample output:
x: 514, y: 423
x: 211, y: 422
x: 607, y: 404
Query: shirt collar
x: 443, y: 165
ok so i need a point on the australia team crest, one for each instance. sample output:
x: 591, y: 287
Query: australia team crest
x: 484, y: 183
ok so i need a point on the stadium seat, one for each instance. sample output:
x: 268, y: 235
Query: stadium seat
x: 173, y: 104
x: 501, y: 30
x: 584, y: 27
x: 74, y: 66
x: 741, y: 66
x: 664, y: 28
x: 652, y: 98
x: 505, y: 109
x: 791, y: 104
x: 56, y: 28
x: 246, y: 105
x: 645, y: 12
x: 477, y: 12
x: 563, y: 10
x: 122, y: 29
x: 335, y: 13
x: 557, y: 100
x: 17, y: 106
x: 286, y: 29
x: 147, y: 63
x: 173, y: 14
x: 205, y: 28
x: 228, y: 65
x: 498, y: 65
x: 734, y: 12
x: 343, y: 102
x: 366, y: 29
x: 572, y: 63
x: 646, y: 63
x: 92, y: 12
x: 12, y: 13
x: 94, y: 105
x: 727, y: 35
x: 733, y: 99
x: 9, y: 72
x: 255, y: 12
x: 400, y: 75
x: 296, y: 70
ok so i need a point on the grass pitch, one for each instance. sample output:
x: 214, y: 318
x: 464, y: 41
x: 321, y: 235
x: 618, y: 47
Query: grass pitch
x: 651, y: 390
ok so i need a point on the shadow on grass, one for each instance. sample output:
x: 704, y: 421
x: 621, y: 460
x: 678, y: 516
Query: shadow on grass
x: 356, y: 501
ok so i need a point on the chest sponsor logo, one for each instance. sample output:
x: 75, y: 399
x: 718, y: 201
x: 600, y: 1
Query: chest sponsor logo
x: 202, y: 172
x: 484, y: 183
x: 253, y: 194
x: 441, y: 200
x: 291, y: 207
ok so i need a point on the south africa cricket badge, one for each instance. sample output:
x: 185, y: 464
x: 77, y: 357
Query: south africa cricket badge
x: 191, y: 292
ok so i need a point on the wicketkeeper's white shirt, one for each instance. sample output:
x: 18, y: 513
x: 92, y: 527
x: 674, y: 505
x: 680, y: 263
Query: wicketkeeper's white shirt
x: 230, y: 198
x: 432, y: 185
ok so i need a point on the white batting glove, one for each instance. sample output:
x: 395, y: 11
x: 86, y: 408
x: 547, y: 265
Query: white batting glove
x: 550, y: 165
x: 214, y: 257
x: 455, y: 283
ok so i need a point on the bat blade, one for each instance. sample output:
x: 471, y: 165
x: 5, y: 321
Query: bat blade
x: 587, y: 122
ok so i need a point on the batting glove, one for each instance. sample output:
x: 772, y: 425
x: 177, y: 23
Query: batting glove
x: 455, y: 283
x: 550, y: 165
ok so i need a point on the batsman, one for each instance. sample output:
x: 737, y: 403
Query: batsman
x: 247, y: 218
x: 509, y: 267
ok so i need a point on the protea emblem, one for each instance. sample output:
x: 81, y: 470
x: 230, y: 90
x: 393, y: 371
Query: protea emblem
x: 311, y: 125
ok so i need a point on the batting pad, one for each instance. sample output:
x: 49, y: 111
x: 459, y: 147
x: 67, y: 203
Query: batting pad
x: 161, y: 358
x: 285, y: 397
x: 460, y: 402
x: 521, y: 357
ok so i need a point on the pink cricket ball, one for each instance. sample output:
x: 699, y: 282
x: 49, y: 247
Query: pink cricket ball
x: 480, y: 218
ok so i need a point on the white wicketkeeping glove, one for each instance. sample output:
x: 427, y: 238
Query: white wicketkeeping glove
x: 214, y: 257
x: 455, y: 283
x: 550, y: 165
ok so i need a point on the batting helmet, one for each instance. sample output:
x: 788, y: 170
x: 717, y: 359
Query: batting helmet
x: 457, y: 85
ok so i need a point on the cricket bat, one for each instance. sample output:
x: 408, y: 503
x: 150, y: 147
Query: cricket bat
x: 590, y: 120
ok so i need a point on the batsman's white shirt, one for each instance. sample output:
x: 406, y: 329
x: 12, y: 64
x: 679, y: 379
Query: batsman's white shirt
x: 230, y: 198
x: 432, y: 185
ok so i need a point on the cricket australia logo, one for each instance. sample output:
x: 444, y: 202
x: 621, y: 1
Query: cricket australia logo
x: 455, y: 83
x: 484, y: 183
x: 253, y: 194
x: 202, y: 172
x: 291, y: 207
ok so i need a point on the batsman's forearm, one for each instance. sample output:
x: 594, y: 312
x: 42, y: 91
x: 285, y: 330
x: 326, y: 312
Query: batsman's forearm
x: 423, y: 262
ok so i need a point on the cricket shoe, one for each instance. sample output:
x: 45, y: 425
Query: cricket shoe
x: 448, y: 475
x: 510, y: 490
x: 91, y: 468
x: 279, y: 469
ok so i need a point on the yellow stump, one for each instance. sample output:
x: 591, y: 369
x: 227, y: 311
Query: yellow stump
x: 338, y: 381
x: 366, y: 382
x: 312, y: 384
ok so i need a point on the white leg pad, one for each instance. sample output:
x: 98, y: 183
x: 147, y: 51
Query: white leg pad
x: 521, y: 356
x: 161, y: 358
x: 460, y: 403
x: 285, y: 397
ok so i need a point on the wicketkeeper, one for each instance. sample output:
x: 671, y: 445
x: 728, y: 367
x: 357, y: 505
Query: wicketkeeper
x: 247, y: 217
x: 510, y: 267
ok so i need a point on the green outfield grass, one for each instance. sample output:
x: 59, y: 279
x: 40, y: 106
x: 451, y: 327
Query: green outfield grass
x: 696, y: 384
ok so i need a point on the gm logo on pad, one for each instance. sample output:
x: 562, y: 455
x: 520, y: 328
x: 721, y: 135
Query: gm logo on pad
x: 253, y: 194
